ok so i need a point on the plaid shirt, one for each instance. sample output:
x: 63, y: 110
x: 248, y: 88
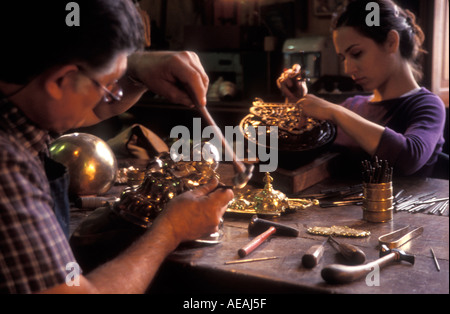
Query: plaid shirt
x: 34, y: 251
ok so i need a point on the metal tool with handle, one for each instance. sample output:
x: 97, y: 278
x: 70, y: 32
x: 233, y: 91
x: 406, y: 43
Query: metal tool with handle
x: 399, y: 237
x: 252, y: 245
x: 350, y: 252
x: 264, y: 229
x: 243, y: 172
x: 336, y: 273
x: 313, y: 255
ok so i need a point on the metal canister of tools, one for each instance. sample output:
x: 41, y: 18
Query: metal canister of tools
x: 377, y: 202
x: 377, y: 191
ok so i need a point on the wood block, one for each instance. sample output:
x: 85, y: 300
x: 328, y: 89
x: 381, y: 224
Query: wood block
x: 297, y: 180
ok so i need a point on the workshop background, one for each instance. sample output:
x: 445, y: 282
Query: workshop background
x: 244, y: 45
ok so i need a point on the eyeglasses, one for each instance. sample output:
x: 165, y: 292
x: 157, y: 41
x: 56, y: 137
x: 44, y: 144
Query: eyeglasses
x: 113, y: 92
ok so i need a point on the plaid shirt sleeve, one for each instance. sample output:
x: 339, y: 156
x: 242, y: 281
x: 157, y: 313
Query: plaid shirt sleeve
x: 34, y: 251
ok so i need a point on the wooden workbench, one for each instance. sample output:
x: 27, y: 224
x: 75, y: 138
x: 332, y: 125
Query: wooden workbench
x: 202, y: 269
x: 194, y: 268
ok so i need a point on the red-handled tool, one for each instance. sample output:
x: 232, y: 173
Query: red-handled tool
x: 264, y: 229
x: 252, y: 245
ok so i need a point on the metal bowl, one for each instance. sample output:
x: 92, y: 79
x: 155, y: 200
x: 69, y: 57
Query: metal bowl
x: 91, y: 163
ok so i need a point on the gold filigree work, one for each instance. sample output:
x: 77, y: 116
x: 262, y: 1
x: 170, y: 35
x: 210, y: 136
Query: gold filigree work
x: 342, y: 231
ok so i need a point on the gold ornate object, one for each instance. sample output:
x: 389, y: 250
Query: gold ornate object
x: 301, y: 203
x: 130, y: 176
x: 288, y: 117
x: 342, y: 231
x: 296, y: 132
x: 164, y: 179
x: 267, y: 201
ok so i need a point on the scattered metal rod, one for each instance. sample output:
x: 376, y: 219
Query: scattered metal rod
x: 341, y: 203
x: 419, y: 196
x: 439, y: 208
x: 420, y: 208
x: 443, y: 208
x: 403, y: 199
x: 405, y: 205
x: 425, y: 196
x: 250, y: 260
x: 341, y: 192
x: 358, y: 196
x: 398, y: 194
x: 425, y: 202
x: 432, y: 200
x: 435, y: 260
x: 434, y: 209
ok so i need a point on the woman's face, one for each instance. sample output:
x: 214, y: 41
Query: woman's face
x: 367, y: 62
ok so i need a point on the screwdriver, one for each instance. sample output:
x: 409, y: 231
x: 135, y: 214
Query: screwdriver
x: 313, y: 255
x: 350, y: 252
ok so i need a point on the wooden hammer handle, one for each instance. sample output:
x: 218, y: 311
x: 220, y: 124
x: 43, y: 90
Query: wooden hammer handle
x: 247, y: 249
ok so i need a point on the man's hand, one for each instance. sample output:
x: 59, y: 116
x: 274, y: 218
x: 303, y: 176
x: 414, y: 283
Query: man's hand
x: 196, y: 213
x: 189, y: 216
x: 177, y: 76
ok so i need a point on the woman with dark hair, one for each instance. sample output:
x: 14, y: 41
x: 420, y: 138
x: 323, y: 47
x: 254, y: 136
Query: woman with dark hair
x: 401, y: 122
x: 54, y: 77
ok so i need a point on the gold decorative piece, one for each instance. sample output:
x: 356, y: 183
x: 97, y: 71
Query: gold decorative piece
x: 131, y: 176
x: 287, y: 117
x: 164, y: 179
x: 342, y: 231
x: 295, y: 130
x: 266, y: 201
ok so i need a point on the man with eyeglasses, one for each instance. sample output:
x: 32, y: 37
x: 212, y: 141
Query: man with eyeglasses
x: 53, y: 78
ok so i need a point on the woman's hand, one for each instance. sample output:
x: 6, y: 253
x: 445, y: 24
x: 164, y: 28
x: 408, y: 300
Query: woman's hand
x: 291, y: 84
x: 366, y: 134
x: 317, y: 108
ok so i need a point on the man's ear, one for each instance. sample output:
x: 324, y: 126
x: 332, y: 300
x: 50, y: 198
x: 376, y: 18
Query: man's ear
x: 392, y: 41
x: 57, y: 78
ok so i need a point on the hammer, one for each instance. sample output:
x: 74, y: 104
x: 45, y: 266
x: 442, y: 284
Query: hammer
x: 258, y: 225
x: 343, y: 274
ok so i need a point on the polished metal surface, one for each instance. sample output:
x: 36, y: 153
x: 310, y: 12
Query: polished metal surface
x: 91, y: 163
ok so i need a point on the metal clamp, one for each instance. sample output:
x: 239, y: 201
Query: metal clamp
x: 399, y: 237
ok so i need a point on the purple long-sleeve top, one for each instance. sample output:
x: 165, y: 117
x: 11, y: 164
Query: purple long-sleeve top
x: 413, y: 133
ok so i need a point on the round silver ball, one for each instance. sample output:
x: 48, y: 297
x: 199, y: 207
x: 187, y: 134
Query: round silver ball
x: 91, y: 163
